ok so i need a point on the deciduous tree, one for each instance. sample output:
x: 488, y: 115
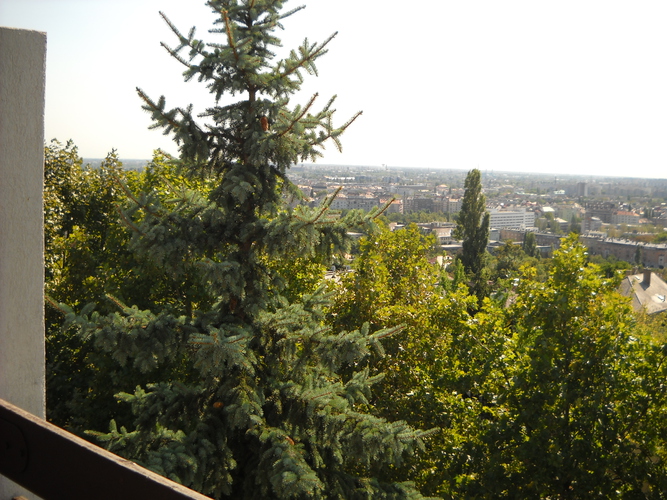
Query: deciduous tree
x: 88, y: 261
x: 580, y: 414
x: 393, y: 283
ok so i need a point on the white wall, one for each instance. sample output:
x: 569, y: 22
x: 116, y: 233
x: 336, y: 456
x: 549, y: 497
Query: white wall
x: 22, y: 80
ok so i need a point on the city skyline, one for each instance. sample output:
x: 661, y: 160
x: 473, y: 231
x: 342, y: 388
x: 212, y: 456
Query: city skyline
x: 570, y: 88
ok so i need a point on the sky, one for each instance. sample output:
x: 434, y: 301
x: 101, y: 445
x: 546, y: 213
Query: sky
x: 567, y: 87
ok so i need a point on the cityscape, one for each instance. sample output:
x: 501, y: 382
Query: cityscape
x: 623, y: 217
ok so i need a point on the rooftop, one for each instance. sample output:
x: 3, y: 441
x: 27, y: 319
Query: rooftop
x: 647, y: 291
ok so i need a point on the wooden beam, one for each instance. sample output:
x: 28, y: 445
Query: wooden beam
x: 55, y: 464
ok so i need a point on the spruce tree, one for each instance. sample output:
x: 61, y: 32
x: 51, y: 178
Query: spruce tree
x: 249, y: 399
x: 473, y: 228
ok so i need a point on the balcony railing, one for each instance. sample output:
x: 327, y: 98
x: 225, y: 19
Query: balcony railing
x: 55, y: 464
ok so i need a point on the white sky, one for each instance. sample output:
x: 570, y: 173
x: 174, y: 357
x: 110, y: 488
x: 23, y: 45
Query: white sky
x: 574, y: 86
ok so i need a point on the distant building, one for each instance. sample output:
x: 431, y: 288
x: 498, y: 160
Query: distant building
x: 445, y: 204
x: 647, y: 290
x: 422, y: 203
x: 569, y: 210
x: 624, y: 217
x: 582, y: 189
x: 339, y: 179
x: 516, y: 219
x: 396, y: 206
x: 453, y: 205
x: 564, y: 225
x: 651, y: 255
x: 418, y: 204
x: 590, y: 224
x: 407, y: 190
x: 601, y: 210
x: 343, y: 202
x: 444, y: 235
x: 515, y: 235
x: 548, y: 210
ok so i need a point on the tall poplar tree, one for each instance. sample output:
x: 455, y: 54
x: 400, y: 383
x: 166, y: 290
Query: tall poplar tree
x: 473, y: 228
x: 529, y: 245
x: 248, y: 398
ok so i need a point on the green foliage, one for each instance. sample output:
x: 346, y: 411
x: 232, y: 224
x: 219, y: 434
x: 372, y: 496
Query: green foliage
x: 610, y: 267
x: 88, y: 262
x: 575, y: 224
x: 394, y: 283
x: 638, y: 255
x: 558, y: 395
x: 391, y: 271
x: 83, y: 242
x: 529, y: 245
x: 79, y: 215
x: 654, y: 326
x: 301, y: 275
x: 555, y: 227
x: 242, y: 389
x: 508, y: 260
x: 580, y: 411
x: 458, y: 276
x: 473, y: 224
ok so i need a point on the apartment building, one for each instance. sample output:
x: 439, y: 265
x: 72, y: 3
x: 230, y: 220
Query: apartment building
x: 601, y: 210
x: 651, y: 255
x: 442, y: 204
x: 418, y: 204
x: 624, y: 217
x: 519, y: 218
x: 343, y: 202
x: 591, y: 224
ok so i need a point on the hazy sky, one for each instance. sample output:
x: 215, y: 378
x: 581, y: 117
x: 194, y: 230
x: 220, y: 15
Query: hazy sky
x: 563, y: 87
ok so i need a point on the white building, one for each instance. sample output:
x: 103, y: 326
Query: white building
x: 443, y: 235
x: 624, y: 217
x: 511, y: 219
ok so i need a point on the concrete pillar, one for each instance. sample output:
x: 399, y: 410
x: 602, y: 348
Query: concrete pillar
x: 22, y: 80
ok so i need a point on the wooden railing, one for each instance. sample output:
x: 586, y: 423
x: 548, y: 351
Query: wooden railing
x: 55, y: 464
